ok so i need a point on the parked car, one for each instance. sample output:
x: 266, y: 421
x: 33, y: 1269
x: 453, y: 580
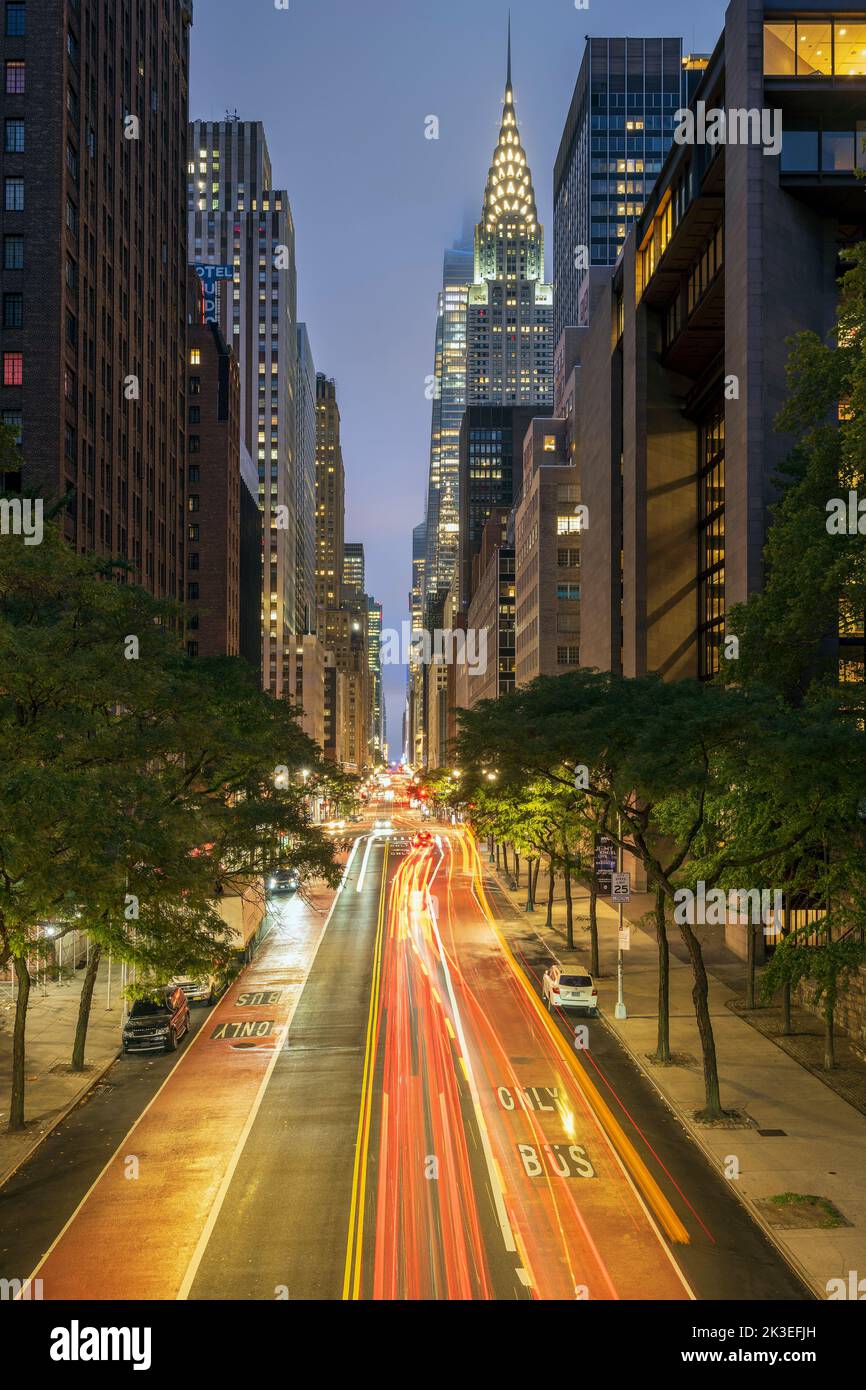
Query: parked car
x: 569, y: 991
x: 204, y: 990
x: 284, y: 881
x: 157, y: 1023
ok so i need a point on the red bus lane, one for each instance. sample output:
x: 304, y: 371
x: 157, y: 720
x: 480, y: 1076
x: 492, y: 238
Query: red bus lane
x: 140, y: 1229
x: 582, y: 1227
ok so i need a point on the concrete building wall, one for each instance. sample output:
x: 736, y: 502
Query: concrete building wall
x: 598, y: 409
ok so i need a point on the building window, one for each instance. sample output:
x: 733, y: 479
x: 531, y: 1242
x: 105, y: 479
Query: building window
x: 195, y: 414
x: 13, y: 311
x: 192, y: 648
x: 193, y: 473
x: 800, y: 150
x: 550, y: 443
x: 193, y: 560
x: 568, y: 592
x: 192, y: 589
x: 13, y: 253
x: 711, y: 542
x: 14, y: 200
x: 14, y: 421
x: 192, y: 503
x: 195, y: 385
x: 569, y: 525
x: 195, y: 357
x: 568, y: 656
x: 13, y: 369
x: 15, y: 13
x: 807, y: 48
x: 14, y: 137
x: 15, y: 78
x: 194, y: 444
x: 193, y: 532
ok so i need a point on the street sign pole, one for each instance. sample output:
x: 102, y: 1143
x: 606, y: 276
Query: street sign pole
x: 620, y: 1010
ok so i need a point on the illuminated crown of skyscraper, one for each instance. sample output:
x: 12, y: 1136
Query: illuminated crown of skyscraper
x: 509, y: 197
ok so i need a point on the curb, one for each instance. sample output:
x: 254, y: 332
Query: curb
x: 695, y: 1135
x: 59, y: 1118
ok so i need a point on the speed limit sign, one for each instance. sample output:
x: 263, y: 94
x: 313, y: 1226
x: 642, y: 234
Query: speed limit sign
x: 620, y: 888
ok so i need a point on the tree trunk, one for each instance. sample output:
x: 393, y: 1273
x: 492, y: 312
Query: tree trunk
x: 829, y: 1038
x: 550, y: 891
x: 16, y: 1103
x: 497, y: 855
x: 84, y: 1009
x: 663, y: 1044
x: 750, y: 965
x: 787, y: 1021
x: 700, y: 997
x: 530, y: 897
x: 535, y: 880
x: 517, y: 868
x: 569, y: 908
x: 594, y: 968
x: 787, y: 1024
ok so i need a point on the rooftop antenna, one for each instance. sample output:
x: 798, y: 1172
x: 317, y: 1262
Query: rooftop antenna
x: 508, y: 80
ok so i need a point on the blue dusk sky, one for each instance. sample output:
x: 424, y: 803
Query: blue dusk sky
x: 343, y: 88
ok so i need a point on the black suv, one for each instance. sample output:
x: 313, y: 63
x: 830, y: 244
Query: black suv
x: 158, y: 1023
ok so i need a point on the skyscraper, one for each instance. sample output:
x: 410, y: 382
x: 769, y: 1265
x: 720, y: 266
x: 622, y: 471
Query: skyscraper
x: 619, y: 128
x: 330, y: 496
x: 449, y: 402
x: 510, y: 312
x: 353, y: 568
x: 93, y: 270
x: 374, y: 657
x: 238, y: 221
x: 305, y: 474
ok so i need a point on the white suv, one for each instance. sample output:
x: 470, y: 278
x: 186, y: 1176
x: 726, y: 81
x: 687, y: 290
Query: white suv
x: 569, y: 991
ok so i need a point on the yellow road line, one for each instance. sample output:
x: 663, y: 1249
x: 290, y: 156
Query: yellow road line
x: 653, y: 1194
x: 352, y: 1273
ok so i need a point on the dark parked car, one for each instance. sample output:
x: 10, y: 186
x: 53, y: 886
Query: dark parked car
x: 157, y: 1023
x: 284, y: 881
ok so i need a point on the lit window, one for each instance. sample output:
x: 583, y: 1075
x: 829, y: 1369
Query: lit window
x: 15, y: 78
x: 13, y: 368
x: 195, y: 357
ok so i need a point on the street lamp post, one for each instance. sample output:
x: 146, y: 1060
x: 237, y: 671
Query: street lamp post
x: 620, y: 1010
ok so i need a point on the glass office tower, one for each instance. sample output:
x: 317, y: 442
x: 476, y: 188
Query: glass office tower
x: 619, y: 128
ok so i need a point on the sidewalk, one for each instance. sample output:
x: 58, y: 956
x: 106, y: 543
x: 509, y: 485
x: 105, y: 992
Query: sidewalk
x: 798, y: 1135
x: 51, y: 1088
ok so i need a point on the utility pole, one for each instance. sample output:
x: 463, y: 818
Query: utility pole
x: 620, y: 1010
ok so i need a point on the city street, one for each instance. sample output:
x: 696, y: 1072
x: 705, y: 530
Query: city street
x: 379, y: 1108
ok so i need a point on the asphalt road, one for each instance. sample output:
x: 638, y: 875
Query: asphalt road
x: 283, y: 1227
x: 401, y: 1120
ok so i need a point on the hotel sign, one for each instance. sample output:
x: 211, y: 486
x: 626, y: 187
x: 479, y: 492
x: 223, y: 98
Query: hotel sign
x: 210, y: 276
